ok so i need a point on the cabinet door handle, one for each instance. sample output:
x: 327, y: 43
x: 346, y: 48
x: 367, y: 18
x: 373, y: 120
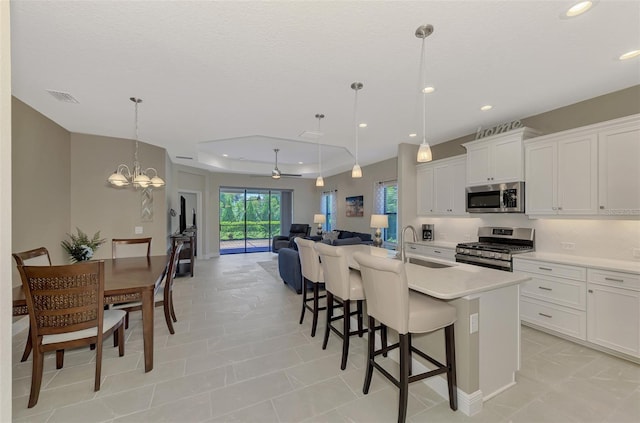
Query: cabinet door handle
x: 545, y: 268
x: 545, y: 315
x: 614, y: 280
x: 545, y: 288
x: 413, y: 248
x: 591, y: 291
x: 601, y: 207
x: 559, y: 208
x: 437, y: 252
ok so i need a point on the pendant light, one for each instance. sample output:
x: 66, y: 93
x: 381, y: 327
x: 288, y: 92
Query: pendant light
x: 319, y: 179
x: 356, y: 172
x: 123, y: 176
x: 424, y: 152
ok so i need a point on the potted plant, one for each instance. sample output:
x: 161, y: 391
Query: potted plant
x: 80, y: 247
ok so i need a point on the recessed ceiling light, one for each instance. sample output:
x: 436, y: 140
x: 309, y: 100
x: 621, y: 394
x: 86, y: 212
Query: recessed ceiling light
x: 413, y: 135
x: 362, y: 125
x: 225, y: 155
x: 486, y: 107
x: 300, y: 162
x: 579, y: 8
x: 630, y: 55
x: 428, y: 90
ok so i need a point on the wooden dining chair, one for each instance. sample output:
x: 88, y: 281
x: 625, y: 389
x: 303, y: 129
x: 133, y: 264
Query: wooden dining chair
x: 163, y: 295
x: 66, y: 310
x: 36, y: 257
x: 115, y: 242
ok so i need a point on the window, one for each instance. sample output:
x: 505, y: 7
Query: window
x: 386, y: 202
x: 328, y: 207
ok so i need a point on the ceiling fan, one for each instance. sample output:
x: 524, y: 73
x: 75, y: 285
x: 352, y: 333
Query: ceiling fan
x: 276, y: 174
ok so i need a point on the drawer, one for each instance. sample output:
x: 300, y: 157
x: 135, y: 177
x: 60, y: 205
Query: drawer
x: 428, y: 251
x: 564, y: 292
x: 617, y: 279
x: 550, y: 269
x: 558, y: 318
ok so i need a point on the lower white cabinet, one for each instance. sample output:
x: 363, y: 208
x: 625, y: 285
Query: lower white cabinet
x: 555, y: 297
x: 613, y: 304
x: 600, y: 307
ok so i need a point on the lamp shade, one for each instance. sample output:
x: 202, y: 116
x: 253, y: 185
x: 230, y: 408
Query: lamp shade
x: 319, y: 218
x: 379, y: 221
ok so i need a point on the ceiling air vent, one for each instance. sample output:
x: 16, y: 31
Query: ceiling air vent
x: 62, y: 96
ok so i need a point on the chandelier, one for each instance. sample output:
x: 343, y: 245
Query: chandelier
x: 424, y: 152
x: 124, y: 175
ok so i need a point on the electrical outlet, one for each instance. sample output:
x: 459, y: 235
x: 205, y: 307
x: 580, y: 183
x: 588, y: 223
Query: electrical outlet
x: 568, y: 245
x: 473, y: 323
x: 636, y: 252
x: 138, y: 230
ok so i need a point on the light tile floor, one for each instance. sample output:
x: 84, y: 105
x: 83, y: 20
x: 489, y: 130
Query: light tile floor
x: 239, y: 355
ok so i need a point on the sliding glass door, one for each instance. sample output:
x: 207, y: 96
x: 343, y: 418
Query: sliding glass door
x: 249, y: 219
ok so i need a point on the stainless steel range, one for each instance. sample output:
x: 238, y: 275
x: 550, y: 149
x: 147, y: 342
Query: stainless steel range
x: 496, y: 246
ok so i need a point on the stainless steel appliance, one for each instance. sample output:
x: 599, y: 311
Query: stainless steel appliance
x: 496, y: 198
x: 427, y: 232
x: 496, y: 246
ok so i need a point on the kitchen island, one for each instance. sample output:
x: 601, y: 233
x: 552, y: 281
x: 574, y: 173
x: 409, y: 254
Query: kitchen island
x: 487, y: 330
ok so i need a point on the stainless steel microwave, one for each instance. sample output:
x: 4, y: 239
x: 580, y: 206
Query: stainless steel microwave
x: 496, y: 198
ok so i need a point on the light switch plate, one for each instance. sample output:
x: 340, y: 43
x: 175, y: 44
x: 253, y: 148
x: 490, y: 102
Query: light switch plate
x: 138, y: 230
x: 473, y: 323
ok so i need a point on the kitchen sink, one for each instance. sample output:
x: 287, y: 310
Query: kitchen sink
x: 428, y: 263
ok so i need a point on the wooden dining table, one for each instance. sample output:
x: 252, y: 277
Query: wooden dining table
x: 125, y: 280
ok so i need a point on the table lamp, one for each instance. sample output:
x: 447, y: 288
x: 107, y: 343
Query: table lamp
x: 320, y: 219
x: 379, y: 221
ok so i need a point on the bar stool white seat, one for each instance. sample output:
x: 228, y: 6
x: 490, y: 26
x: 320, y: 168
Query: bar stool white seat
x: 390, y: 301
x: 343, y: 286
x: 311, y: 274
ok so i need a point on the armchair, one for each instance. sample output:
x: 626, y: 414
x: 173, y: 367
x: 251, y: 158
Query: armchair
x: 282, y: 241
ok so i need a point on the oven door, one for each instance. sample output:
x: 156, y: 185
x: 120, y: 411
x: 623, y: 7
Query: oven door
x: 484, y: 262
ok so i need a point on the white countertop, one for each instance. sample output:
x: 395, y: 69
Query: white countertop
x: 455, y: 281
x: 592, y: 262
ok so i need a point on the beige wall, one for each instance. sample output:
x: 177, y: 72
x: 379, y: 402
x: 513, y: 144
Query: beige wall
x: 41, y: 174
x: 5, y: 213
x: 346, y: 186
x: 95, y: 206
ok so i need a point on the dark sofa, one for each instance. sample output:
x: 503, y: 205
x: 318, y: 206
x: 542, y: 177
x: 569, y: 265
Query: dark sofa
x: 350, y: 238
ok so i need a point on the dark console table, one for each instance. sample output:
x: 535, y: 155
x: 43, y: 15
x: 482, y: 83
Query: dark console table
x: 188, y: 254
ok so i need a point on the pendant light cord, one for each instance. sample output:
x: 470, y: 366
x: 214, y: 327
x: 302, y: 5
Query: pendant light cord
x: 355, y: 118
x: 424, y: 95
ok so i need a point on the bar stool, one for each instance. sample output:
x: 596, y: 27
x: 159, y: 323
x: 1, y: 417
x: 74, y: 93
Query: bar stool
x: 343, y: 285
x: 390, y: 302
x: 311, y: 273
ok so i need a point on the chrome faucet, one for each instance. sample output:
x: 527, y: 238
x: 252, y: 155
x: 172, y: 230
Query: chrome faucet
x: 403, y: 257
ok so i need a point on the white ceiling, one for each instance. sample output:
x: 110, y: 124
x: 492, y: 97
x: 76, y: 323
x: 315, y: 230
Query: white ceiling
x: 242, y: 78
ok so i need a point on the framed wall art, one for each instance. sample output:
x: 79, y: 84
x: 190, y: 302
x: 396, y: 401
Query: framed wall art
x: 355, y: 206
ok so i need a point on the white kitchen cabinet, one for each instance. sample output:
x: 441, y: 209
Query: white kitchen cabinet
x: 613, y: 310
x: 562, y: 175
x: 554, y: 297
x: 619, y: 169
x: 424, y: 184
x: 441, y: 187
x: 497, y: 159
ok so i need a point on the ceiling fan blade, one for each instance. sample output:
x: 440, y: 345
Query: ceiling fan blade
x: 291, y: 175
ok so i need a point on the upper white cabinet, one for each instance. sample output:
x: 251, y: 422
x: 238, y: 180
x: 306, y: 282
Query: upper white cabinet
x: 441, y: 187
x: 619, y: 169
x: 561, y: 175
x: 497, y: 159
x: 592, y: 170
